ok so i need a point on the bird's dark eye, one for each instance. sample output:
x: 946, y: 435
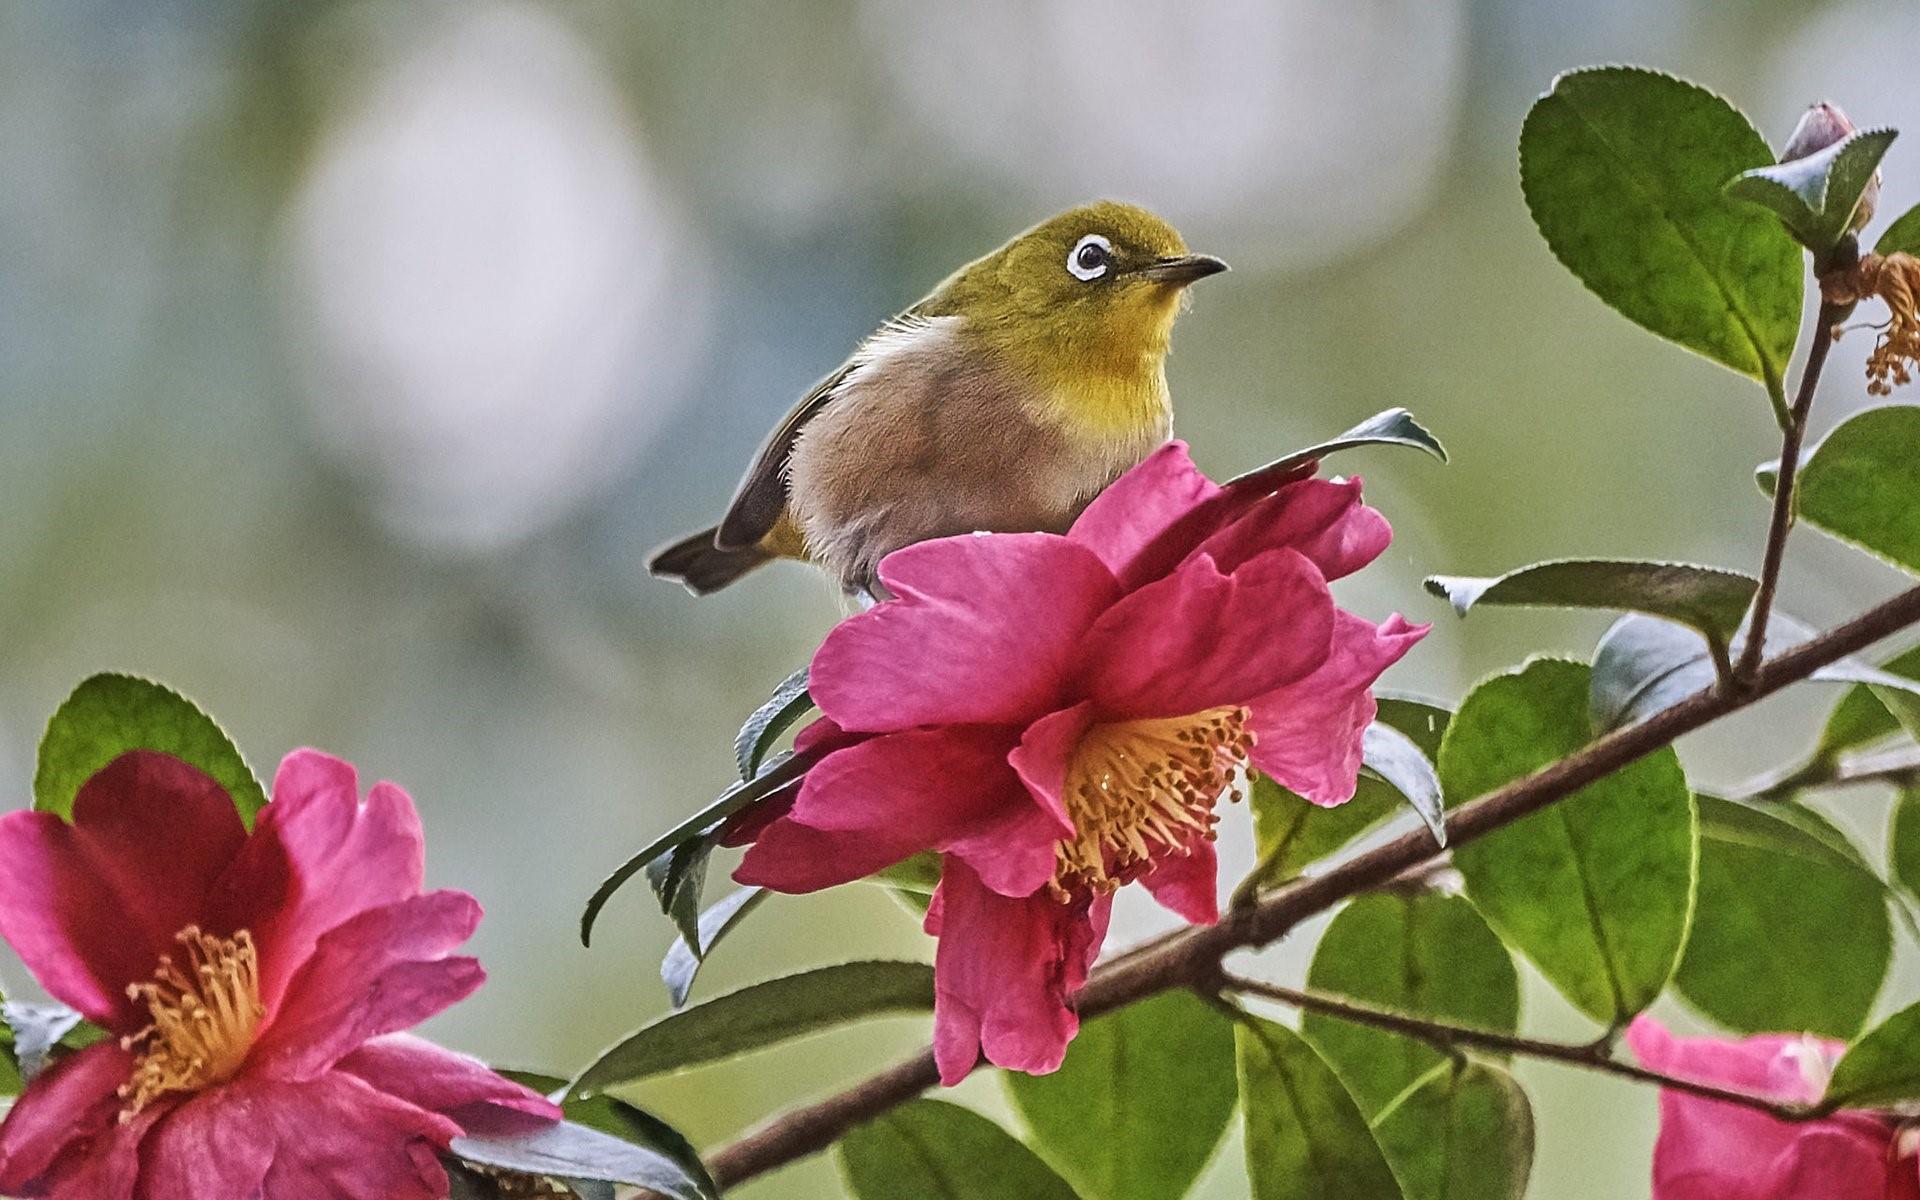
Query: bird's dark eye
x: 1090, y: 257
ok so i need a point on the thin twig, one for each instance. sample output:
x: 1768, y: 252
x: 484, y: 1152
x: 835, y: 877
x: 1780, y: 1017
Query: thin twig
x: 1194, y: 955
x: 1445, y: 1035
x: 1781, y: 523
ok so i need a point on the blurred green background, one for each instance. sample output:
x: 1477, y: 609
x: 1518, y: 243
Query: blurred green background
x: 353, y: 355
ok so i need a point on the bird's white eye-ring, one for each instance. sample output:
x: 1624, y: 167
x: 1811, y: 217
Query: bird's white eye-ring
x: 1090, y: 257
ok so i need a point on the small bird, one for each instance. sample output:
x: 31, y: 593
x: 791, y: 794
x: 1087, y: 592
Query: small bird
x: 1006, y: 400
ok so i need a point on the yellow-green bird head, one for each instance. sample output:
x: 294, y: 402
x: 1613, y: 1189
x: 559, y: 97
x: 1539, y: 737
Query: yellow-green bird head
x: 1093, y: 291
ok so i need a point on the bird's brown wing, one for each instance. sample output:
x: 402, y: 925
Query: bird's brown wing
x: 762, y: 494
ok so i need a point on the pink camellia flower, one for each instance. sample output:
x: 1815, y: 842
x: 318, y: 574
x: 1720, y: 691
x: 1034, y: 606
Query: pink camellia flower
x: 1060, y: 715
x: 255, y: 986
x: 1713, y: 1150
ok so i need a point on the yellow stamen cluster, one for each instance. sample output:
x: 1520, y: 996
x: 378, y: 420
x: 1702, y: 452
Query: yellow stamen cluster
x: 1895, y: 279
x: 1137, y: 789
x: 204, y: 1014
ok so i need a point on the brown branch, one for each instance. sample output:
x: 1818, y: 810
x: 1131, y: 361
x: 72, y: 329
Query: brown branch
x: 1781, y: 523
x: 1192, y: 957
x: 1444, y: 1035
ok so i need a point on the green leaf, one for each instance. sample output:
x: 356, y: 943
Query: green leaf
x: 1290, y: 832
x: 1883, y: 1067
x: 1623, y: 169
x: 625, y: 1121
x: 1903, y: 840
x: 682, y: 963
x: 932, y: 1150
x: 779, y: 772
x: 1754, y: 963
x: 761, y: 1015
x: 678, y: 878
x: 1398, y: 761
x: 1421, y: 953
x: 1859, y: 483
x: 1463, y: 1132
x: 1903, y: 236
x: 1861, y: 718
x: 911, y: 880
x: 789, y: 702
x: 110, y: 714
x: 1394, y: 427
x: 1596, y: 889
x: 1305, y: 1135
x: 1710, y: 599
x: 1817, y: 196
x: 573, y: 1151
x: 1140, y: 1103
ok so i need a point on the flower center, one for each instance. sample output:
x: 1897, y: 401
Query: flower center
x: 204, y: 1013
x: 1139, y: 789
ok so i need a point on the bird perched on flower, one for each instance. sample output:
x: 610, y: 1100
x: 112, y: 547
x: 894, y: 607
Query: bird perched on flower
x: 1006, y: 400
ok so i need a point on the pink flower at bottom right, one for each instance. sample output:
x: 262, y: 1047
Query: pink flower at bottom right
x: 1713, y: 1150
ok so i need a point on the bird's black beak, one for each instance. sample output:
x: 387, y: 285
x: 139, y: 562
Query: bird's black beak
x: 1182, y: 269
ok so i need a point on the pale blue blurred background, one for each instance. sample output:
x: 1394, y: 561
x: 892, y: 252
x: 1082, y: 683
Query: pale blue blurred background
x: 353, y: 355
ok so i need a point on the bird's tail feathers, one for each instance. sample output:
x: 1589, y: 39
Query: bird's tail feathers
x: 703, y: 567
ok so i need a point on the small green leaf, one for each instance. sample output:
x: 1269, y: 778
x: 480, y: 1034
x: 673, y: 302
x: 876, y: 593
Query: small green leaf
x: 1422, y: 953
x: 1463, y: 1132
x: 678, y: 879
x: 682, y: 963
x: 1903, y: 236
x: 911, y: 880
x: 1398, y: 761
x: 1624, y: 170
x: 932, y: 1150
x: 1883, y: 1067
x: 761, y: 1015
x: 779, y: 772
x: 1754, y: 963
x: 37, y: 1030
x: 1859, y: 484
x: 1394, y: 427
x: 625, y: 1121
x: 1816, y: 197
x: 1903, y: 840
x: 1861, y: 718
x: 789, y: 702
x: 110, y: 714
x: 1596, y: 889
x: 574, y: 1151
x: 1290, y: 832
x: 1710, y: 599
x: 1305, y: 1135
x: 1140, y: 1103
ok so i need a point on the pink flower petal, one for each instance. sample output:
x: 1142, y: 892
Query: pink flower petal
x: 1322, y: 519
x: 1198, y: 638
x: 383, y: 971
x: 1004, y: 972
x: 1188, y: 884
x: 72, y: 1101
x: 1045, y: 752
x: 90, y: 907
x: 335, y: 1137
x: 871, y: 805
x: 946, y: 650
x: 317, y: 858
x: 1142, y: 505
x: 108, y: 1167
x: 1307, y: 733
x: 440, y: 1081
x: 1834, y: 1162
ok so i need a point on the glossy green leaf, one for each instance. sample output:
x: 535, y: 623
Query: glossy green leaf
x: 1305, y: 1134
x: 1398, y: 761
x: 678, y: 879
x: 1420, y: 953
x: 1291, y: 832
x: 1710, y: 599
x: 1140, y: 1103
x: 1597, y: 888
x: 1394, y: 427
x: 1861, y: 718
x: 110, y: 714
x: 1903, y: 236
x: 1754, y: 963
x: 574, y: 1151
x: 789, y: 702
x: 682, y: 963
x: 778, y: 773
x: 762, y: 1015
x: 1464, y: 1132
x: 625, y: 1121
x: 912, y: 881
x: 1816, y: 197
x: 1859, y: 483
x: 932, y: 1150
x: 1903, y: 840
x: 1883, y: 1067
x: 1624, y: 170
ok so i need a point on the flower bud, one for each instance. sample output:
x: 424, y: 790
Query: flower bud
x: 1824, y: 125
